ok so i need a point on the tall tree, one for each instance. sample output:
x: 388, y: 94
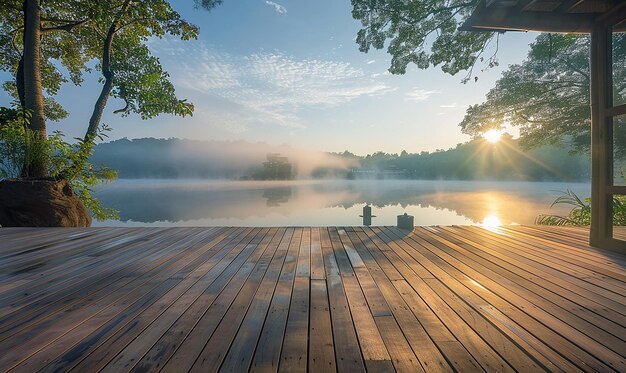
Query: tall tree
x: 41, y: 38
x: 425, y: 33
x: 547, y: 95
x: 31, y: 70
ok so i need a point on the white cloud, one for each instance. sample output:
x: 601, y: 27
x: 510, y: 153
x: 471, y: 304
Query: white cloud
x: 266, y: 87
x: 449, y: 106
x: 371, y: 62
x: 277, y: 7
x: 418, y: 94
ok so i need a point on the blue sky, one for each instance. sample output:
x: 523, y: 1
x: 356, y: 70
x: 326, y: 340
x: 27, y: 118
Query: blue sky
x: 289, y: 71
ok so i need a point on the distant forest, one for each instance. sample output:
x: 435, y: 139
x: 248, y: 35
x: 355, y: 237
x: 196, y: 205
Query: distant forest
x: 474, y: 160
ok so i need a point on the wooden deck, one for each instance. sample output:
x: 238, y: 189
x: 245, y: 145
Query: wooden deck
x: 324, y: 299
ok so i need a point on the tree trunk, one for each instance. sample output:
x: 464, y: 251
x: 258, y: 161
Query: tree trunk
x: 108, y: 74
x: 105, y: 92
x: 98, y: 109
x: 33, y: 93
x: 19, y: 82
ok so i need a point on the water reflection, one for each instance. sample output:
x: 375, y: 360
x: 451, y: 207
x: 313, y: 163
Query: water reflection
x: 491, y: 221
x: 276, y: 196
x: 203, y: 203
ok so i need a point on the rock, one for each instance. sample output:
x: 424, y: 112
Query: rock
x: 41, y: 203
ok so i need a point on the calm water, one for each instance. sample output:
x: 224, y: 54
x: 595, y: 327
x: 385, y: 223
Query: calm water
x: 320, y: 203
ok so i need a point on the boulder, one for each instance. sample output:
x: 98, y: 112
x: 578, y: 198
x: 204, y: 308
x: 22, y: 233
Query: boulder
x: 41, y: 203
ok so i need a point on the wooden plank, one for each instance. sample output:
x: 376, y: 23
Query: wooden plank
x: 189, y: 350
x: 528, y: 275
x: 123, y: 319
x: 324, y: 299
x: 375, y: 300
x: 423, y: 346
x: 39, y: 257
x: 498, y: 340
x: 317, y: 260
x: 600, y: 266
x: 471, y: 340
x: 90, y: 278
x: 267, y: 354
x: 30, y: 341
x: 574, y: 269
x: 576, y: 284
x: 241, y: 352
x: 591, y: 311
x: 348, y: 354
x: 403, y: 357
x: 294, y: 354
x: 371, y: 342
x: 168, y: 309
x: 102, y: 351
x: 218, y: 345
x: 471, y: 277
x: 116, y: 247
x: 436, y: 329
x: 321, y: 347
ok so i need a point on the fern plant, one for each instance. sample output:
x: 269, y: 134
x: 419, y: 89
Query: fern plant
x: 580, y: 214
x: 21, y: 147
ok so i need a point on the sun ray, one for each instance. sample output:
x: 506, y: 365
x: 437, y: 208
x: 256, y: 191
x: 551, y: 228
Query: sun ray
x: 536, y: 161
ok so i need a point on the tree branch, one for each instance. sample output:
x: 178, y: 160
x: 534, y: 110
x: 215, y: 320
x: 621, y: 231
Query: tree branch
x: 66, y: 27
x: 124, y: 109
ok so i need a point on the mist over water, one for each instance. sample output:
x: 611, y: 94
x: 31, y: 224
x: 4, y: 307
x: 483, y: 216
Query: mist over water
x: 187, y: 159
x: 188, y: 202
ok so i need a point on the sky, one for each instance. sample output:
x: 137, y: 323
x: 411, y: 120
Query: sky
x: 290, y: 72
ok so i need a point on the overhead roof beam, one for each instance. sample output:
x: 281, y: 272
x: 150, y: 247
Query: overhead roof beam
x: 502, y: 18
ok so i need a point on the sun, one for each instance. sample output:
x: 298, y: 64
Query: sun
x: 493, y: 136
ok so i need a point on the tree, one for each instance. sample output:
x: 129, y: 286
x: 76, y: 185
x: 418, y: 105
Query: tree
x: 547, y: 96
x: 275, y: 168
x: 39, y: 39
x: 424, y: 33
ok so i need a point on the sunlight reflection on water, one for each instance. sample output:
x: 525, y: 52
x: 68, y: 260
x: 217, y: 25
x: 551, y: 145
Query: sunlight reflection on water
x: 323, y: 203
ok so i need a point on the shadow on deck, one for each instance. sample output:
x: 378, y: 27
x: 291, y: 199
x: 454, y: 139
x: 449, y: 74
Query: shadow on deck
x: 350, y: 299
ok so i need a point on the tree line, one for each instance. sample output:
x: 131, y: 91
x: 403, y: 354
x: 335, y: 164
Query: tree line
x: 474, y: 160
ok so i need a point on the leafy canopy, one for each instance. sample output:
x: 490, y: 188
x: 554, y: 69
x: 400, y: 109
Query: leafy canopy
x: 424, y: 33
x: 547, y: 95
x: 73, y: 36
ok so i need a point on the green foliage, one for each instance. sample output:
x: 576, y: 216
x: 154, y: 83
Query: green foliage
x: 19, y: 147
x: 66, y: 156
x: 580, y: 214
x: 275, y: 168
x: 424, y: 33
x: 73, y: 35
x: 547, y: 96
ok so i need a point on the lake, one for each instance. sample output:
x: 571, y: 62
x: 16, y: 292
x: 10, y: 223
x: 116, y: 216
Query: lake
x: 328, y: 202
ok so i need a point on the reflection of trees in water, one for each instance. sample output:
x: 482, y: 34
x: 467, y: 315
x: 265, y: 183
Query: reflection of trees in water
x: 509, y: 202
x: 276, y: 196
x: 153, y: 201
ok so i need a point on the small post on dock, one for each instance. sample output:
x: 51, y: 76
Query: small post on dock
x: 367, y: 215
x: 406, y: 222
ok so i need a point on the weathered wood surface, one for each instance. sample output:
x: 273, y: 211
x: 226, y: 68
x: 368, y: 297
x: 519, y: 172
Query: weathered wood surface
x: 517, y: 298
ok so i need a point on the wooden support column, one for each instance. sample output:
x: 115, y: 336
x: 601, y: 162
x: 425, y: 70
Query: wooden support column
x: 601, y: 231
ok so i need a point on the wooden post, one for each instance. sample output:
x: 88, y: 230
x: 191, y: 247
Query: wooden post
x: 601, y: 231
